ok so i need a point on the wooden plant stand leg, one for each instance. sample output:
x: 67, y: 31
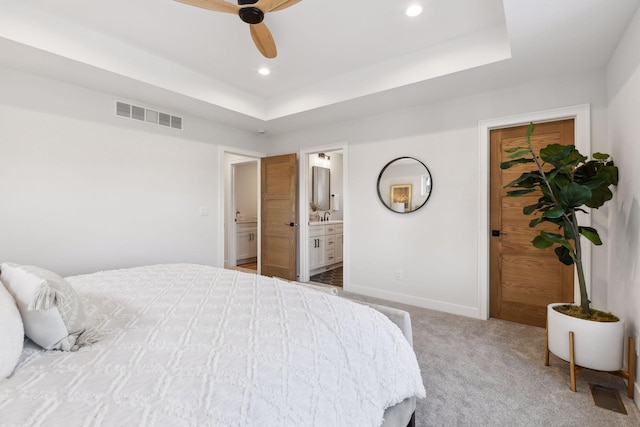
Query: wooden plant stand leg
x: 630, y: 374
x: 632, y: 367
x: 572, y: 363
x: 546, y: 356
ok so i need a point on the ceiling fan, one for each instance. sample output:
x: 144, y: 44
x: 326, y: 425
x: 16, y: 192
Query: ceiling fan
x: 252, y: 12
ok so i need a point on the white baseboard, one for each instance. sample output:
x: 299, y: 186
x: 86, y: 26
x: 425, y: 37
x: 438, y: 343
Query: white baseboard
x: 416, y: 301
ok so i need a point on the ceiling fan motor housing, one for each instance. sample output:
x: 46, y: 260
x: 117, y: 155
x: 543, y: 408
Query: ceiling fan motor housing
x: 250, y: 15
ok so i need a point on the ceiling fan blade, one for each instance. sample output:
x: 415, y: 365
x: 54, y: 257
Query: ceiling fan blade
x: 275, y: 5
x: 217, y: 5
x: 264, y: 40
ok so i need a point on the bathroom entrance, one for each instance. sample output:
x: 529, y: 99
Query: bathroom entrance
x: 242, y: 194
x: 324, y: 202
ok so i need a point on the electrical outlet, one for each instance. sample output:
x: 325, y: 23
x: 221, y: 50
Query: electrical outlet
x: 398, y: 274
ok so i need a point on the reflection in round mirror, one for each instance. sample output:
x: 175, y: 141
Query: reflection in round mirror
x: 404, y: 185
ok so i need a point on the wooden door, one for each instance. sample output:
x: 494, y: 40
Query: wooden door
x: 279, y: 178
x: 523, y: 279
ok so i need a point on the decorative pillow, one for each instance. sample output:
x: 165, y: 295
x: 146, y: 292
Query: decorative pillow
x: 11, y: 333
x: 50, y: 308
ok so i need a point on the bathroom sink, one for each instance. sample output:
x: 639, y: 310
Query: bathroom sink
x: 240, y: 218
x: 331, y: 221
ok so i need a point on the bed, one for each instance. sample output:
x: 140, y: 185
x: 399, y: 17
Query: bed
x: 193, y: 345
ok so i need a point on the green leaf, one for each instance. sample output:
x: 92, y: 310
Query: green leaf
x: 528, y: 210
x: 591, y: 234
x: 546, y: 239
x: 519, y: 154
x: 594, y: 183
x: 516, y: 193
x: 554, y: 213
x: 513, y: 149
x: 594, y: 171
x: 530, y: 130
x: 568, y: 231
x: 535, y: 222
x: 552, y: 175
x: 555, y: 238
x: 610, y: 174
x: 542, y: 243
x: 511, y: 163
x: 586, y: 171
x: 562, y: 156
x: 564, y: 255
x: 599, y: 196
x: 600, y: 156
x: 552, y: 236
x: 574, y: 195
x: 526, y: 180
x: 562, y: 178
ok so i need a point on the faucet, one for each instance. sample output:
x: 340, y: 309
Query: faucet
x: 326, y: 216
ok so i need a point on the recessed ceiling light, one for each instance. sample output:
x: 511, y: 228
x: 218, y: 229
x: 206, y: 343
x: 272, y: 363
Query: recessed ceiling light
x: 414, y: 10
x: 264, y: 71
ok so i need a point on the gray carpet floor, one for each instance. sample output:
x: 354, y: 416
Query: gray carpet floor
x: 492, y: 373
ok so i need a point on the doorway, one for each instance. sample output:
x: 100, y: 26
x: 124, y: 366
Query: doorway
x: 523, y: 279
x: 272, y: 173
x: 244, y: 193
x: 322, y: 209
x: 241, y: 213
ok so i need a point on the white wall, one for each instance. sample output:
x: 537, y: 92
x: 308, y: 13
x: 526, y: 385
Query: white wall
x: 623, y: 89
x: 84, y: 190
x: 436, y: 247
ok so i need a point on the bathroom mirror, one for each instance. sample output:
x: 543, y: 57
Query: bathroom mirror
x: 404, y: 185
x: 321, y: 187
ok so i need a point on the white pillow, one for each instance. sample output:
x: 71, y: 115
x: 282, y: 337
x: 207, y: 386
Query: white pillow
x: 11, y: 333
x: 50, y: 308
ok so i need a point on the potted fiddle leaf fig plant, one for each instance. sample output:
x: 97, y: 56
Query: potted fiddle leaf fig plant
x: 567, y: 182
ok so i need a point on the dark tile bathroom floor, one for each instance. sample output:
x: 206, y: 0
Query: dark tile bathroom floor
x: 331, y: 277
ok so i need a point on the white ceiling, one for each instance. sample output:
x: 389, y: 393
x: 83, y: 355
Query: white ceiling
x: 337, y: 59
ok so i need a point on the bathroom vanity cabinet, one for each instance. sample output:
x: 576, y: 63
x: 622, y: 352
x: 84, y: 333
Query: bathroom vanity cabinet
x: 246, y: 241
x: 325, y: 246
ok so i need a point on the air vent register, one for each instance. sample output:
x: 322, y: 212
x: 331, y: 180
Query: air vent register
x: 147, y: 115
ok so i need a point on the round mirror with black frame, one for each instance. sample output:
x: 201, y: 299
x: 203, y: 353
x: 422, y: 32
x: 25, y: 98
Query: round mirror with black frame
x: 404, y: 185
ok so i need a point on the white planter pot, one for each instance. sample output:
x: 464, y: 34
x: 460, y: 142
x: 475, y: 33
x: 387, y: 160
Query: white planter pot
x: 597, y: 345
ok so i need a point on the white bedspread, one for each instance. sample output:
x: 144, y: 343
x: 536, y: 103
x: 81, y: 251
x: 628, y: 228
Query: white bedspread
x: 189, y: 345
